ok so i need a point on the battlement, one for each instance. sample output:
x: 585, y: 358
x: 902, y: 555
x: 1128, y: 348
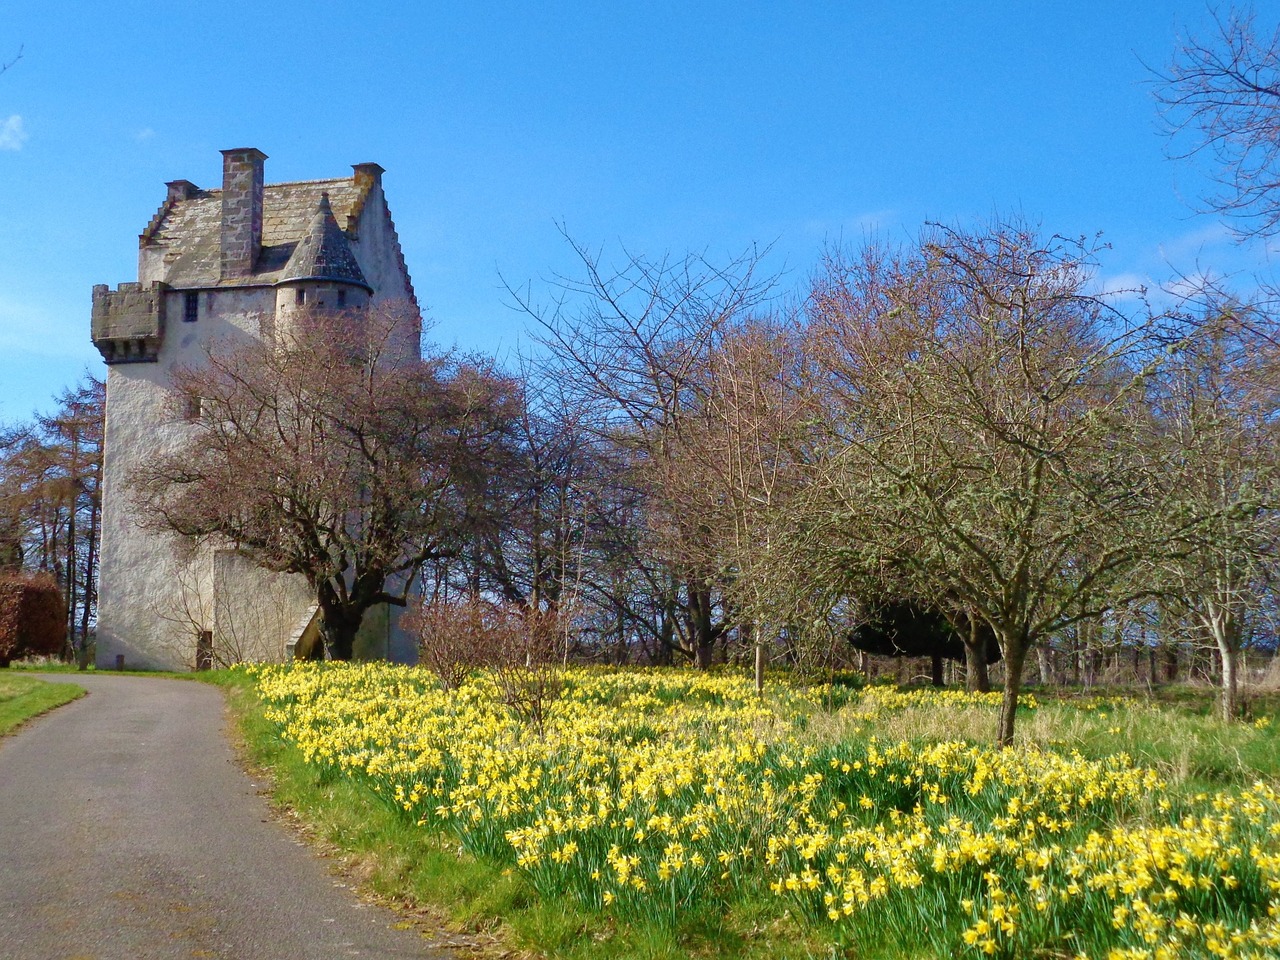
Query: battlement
x: 128, y: 322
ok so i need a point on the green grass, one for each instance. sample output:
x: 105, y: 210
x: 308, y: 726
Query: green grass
x: 56, y: 666
x: 1193, y: 750
x: 22, y: 698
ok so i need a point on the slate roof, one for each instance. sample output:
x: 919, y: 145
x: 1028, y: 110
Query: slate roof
x: 189, y: 230
x: 324, y: 252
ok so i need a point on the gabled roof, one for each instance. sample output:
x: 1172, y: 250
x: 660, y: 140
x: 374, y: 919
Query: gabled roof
x: 188, y: 229
x: 324, y: 252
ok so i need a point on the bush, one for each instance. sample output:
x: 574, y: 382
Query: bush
x: 33, y: 616
x: 521, y: 647
x: 454, y: 638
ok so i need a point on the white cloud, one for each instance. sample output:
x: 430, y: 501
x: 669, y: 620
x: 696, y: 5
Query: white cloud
x: 858, y: 226
x: 146, y: 133
x: 1197, y: 242
x: 12, y: 133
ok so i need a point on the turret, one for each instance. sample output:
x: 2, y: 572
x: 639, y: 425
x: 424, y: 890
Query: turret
x: 322, y: 272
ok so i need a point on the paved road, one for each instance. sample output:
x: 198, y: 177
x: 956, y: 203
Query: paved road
x: 128, y: 832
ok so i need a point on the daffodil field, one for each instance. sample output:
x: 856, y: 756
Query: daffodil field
x: 648, y: 795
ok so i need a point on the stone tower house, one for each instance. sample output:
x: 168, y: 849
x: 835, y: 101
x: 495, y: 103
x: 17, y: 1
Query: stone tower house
x: 216, y: 265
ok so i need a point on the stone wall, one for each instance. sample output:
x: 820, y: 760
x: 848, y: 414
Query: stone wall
x: 127, y: 323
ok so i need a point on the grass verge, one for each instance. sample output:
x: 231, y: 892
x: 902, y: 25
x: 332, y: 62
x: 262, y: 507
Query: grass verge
x: 22, y: 698
x: 480, y: 908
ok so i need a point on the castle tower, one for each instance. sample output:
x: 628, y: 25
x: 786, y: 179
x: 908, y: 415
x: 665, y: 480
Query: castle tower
x: 215, y: 266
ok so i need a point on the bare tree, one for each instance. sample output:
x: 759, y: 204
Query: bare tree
x: 743, y: 468
x: 976, y: 392
x: 630, y: 344
x: 4, y: 66
x: 1221, y: 97
x: 50, y: 502
x: 1213, y: 460
x: 330, y: 453
x: 74, y: 435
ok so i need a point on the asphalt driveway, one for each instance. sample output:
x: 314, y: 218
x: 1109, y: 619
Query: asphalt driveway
x: 127, y: 830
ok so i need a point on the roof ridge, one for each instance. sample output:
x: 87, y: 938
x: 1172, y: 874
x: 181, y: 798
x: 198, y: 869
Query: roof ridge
x: 215, y: 191
x: 292, y: 183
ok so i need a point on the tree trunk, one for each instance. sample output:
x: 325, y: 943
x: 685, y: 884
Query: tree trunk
x: 74, y: 505
x: 704, y: 640
x: 1225, y: 630
x: 339, y: 638
x: 1093, y: 660
x: 936, y: 677
x: 666, y: 633
x: 620, y: 631
x: 90, y: 586
x: 1014, y: 649
x: 1230, y: 655
x: 1045, y: 662
x: 338, y: 624
x: 976, y: 678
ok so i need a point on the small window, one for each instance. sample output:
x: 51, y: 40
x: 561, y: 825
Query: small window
x: 342, y: 298
x: 191, y: 306
x: 300, y: 296
x: 192, y: 411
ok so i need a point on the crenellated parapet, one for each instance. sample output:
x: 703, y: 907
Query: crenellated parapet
x: 128, y: 322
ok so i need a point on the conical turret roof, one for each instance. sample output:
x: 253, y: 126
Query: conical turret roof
x: 324, y: 253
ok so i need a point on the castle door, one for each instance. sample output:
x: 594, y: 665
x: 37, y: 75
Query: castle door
x: 204, y: 650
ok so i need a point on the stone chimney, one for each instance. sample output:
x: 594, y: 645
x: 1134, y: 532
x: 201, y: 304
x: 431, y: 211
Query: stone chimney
x: 366, y: 175
x: 180, y: 190
x: 241, y: 210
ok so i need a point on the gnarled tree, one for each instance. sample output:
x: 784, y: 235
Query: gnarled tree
x: 331, y: 451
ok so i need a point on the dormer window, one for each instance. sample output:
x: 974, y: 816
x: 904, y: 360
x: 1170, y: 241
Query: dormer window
x: 190, y: 306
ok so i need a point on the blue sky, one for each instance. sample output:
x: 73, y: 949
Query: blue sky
x: 667, y: 127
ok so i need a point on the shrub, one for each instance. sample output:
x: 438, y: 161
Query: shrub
x: 454, y: 637
x: 33, y: 616
x: 519, y: 645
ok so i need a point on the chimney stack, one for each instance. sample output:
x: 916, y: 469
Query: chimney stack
x: 367, y: 174
x: 242, y: 180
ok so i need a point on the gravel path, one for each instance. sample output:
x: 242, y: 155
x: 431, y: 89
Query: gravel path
x: 127, y: 830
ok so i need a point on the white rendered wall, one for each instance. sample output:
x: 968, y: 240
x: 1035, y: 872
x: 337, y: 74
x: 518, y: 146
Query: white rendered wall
x: 378, y: 253
x: 155, y: 600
